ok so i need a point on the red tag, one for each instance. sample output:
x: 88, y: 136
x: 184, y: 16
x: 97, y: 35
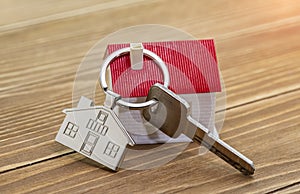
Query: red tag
x: 192, y: 66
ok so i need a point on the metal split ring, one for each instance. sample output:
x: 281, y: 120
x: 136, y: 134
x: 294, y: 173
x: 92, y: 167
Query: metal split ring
x: 159, y: 62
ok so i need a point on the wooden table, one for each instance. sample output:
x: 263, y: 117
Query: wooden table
x: 258, y: 48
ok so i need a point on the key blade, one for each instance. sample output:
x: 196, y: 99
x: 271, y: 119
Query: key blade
x: 223, y: 150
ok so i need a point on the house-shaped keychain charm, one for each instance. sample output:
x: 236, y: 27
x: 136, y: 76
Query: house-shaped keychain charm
x: 95, y: 132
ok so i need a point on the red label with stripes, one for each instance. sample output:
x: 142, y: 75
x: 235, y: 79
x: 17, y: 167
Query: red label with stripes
x: 192, y: 66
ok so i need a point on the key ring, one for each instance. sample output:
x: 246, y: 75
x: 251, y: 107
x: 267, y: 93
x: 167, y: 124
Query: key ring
x: 158, y: 61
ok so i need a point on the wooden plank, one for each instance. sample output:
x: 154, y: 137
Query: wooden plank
x: 20, y: 14
x: 257, y: 45
x: 231, y: 53
x: 265, y: 131
x: 294, y: 188
x: 32, y: 94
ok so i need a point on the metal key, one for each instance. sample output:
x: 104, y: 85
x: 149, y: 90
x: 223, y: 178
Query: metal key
x: 172, y: 116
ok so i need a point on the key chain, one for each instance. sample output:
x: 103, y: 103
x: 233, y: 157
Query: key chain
x: 161, y: 64
x: 96, y: 131
x: 98, y: 134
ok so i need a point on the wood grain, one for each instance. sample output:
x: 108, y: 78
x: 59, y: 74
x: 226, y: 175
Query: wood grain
x: 254, y: 129
x: 258, y: 51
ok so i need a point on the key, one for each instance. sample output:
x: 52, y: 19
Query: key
x: 96, y: 132
x: 172, y: 116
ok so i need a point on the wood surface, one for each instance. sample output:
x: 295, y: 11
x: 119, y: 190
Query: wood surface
x: 258, y: 48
